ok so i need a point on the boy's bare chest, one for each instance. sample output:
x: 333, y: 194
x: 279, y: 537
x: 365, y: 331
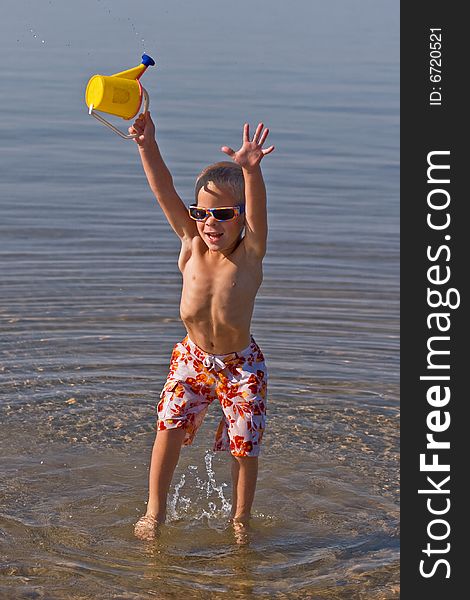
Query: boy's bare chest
x: 219, y: 291
x: 227, y: 279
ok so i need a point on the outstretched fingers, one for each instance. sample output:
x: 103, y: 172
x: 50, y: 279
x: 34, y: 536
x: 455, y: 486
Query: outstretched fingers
x: 229, y: 151
x: 250, y: 146
x: 268, y: 150
x: 263, y: 137
x: 257, y: 133
x: 246, y: 133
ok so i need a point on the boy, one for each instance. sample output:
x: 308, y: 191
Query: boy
x: 218, y: 359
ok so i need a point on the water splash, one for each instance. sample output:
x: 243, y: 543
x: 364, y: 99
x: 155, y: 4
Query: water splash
x: 111, y: 12
x: 35, y: 35
x: 136, y: 33
x: 212, y: 483
x: 208, y: 500
x: 175, y: 499
x: 118, y: 18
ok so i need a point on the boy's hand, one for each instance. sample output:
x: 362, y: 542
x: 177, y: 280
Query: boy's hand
x: 250, y: 154
x: 144, y: 128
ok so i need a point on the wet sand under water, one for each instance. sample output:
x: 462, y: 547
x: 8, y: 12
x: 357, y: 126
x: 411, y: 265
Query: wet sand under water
x: 325, y: 522
x: 90, y: 291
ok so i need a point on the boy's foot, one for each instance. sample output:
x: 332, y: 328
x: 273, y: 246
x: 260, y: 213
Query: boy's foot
x: 146, y: 528
x: 241, y: 531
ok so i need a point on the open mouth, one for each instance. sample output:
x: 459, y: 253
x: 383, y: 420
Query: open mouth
x: 213, y: 237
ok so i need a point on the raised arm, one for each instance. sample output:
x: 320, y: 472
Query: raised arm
x: 249, y: 157
x: 160, y: 179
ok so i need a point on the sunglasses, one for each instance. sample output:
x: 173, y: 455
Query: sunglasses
x: 224, y: 213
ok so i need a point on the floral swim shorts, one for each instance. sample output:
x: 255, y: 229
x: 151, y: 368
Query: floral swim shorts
x: 238, y: 380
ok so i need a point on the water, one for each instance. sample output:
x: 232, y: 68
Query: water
x: 90, y: 291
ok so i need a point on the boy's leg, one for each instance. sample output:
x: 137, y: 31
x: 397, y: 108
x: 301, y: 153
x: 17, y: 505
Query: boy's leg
x: 165, y: 455
x: 244, y: 476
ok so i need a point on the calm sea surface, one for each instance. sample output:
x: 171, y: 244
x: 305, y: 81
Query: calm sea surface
x: 89, y: 297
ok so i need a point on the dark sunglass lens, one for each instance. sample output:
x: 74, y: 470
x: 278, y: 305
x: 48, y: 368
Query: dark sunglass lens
x: 223, y: 214
x: 197, y: 213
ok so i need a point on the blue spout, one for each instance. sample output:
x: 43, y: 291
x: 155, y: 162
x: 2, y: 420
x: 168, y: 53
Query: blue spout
x: 147, y: 60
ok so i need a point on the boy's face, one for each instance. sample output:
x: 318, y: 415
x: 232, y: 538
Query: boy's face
x: 219, y: 235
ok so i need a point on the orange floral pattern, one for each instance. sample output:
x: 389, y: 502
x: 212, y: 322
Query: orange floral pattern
x: 238, y: 380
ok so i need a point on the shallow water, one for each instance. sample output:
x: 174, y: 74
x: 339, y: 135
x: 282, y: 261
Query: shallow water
x: 90, y: 290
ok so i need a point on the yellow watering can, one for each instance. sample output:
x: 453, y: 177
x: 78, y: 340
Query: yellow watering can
x: 119, y: 94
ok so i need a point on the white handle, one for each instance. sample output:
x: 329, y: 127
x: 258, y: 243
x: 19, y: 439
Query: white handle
x: 126, y: 136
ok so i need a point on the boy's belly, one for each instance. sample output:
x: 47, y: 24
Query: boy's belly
x: 218, y: 330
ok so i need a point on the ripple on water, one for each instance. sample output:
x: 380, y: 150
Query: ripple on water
x: 89, y: 316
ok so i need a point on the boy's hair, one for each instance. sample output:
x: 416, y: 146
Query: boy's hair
x: 224, y: 174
